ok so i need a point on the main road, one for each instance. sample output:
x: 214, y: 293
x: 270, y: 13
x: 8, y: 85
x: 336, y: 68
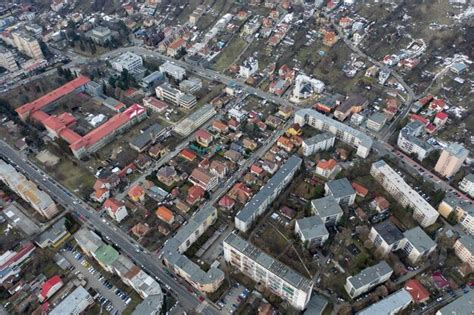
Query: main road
x: 91, y: 219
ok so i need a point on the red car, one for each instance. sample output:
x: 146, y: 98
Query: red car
x: 201, y: 298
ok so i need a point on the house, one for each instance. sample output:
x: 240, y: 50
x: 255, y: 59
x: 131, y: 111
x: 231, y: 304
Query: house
x: 165, y: 214
x: 136, y: 193
x: 311, y: 231
x: 288, y: 212
x: 386, y: 237
x: 255, y: 169
x: 285, y: 143
x: 376, y: 121
x: 203, y: 137
x: 226, y: 202
x: 155, y: 105
x: 353, y: 104
x: 329, y: 38
x: 294, y: 130
x: 187, y: 155
x: 285, y: 112
x: 360, y: 190
x: 147, y: 137
x: 100, y: 195
x: 140, y: 229
x: 440, y: 119
x: 143, y: 161
x: 328, y: 103
x: 219, y: 126
x: 418, y: 292
x: 167, y: 175
x: 233, y: 156
x: 49, y: 287
x: 328, y: 209
x: 115, y: 209
x: 380, y: 204
x: 218, y: 168
x: 326, y: 168
x: 54, y: 236
x: 195, y: 194
x: 157, y: 150
x: 203, y: 178
x: 249, y: 144
x: 367, y: 279
x: 175, y: 46
x: 341, y: 189
x: 240, y: 192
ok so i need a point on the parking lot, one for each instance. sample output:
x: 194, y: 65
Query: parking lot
x: 233, y: 299
x: 107, y: 293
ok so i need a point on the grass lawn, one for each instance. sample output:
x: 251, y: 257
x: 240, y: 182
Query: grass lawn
x: 229, y: 53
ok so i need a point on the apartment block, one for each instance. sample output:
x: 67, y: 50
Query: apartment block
x: 409, y: 142
x: 390, y: 305
x: 386, y: 237
x: 28, y: 191
x: 174, y: 71
x: 27, y: 44
x: 186, y: 126
x: 464, y: 249
x: 349, y: 135
x: 417, y: 245
x: 463, y: 209
x: 129, y: 61
x: 277, y: 277
x: 320, y: 142
x: 367, y: 279
x: 328, y: 209
x: 7, y: 60
x: 174, y: 96
x: 462, y: 305
x: 311, y: 231
x: 451, y: 159
x: 259, y: 203
x: 394, y: 184
x: 173, y: 252
x: 341, y: 190
x: 467, y: 185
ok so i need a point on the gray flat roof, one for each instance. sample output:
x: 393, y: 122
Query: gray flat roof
x: 460, y: 306
x: 316, y: 306
x: 247, y: 213
x: 419, y: 239
x: 319, y: 138
x: 370, y: 274
x: 389, y: 304
x: 145, y: 138
x: 389, y: 232
x: 312, y: 227
x: 152, y: 77
x: 468, y: 242
x: 58, y: 229
x: 326, y: 207
x: 340, y: 188
x: 458, y: 150
x: 378, y: 117
x: 269, y: 263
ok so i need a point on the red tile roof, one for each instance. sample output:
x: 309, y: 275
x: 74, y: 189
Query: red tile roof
x: 136, y: 191
x: 421, y: 119
x: 164, y: 214
x: 69, y: 135
x: 226, y: 202
x: 39, y: 116
x: 360, y: 190
x: 442, y: 115
x: 327, y: 165
x: 417, y: 291
x: 53, y: 95
x: 187, y: 154
x: 112, y: 204
x: 48, y: 285
x: 203, y: 134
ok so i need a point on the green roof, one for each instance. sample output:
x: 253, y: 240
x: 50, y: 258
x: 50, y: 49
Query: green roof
x: 106, y: 254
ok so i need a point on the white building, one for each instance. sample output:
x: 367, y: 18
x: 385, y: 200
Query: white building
x: 248, y: 68
x: 386, y: 237
x: 367, y: 279
x: 376, y: 121
x: 306, y: 87
x: 349, y: 135
x: 75, y: 303
x: 267, y: 194
x: 328, y: 209
x: 467, y: 185
x: 277, y: 277
x: 390, y: 305
x: 409, y: 142
x: 188, y: 125
x: 341, y: 190
x: 27, y: 44
x: 7, y: 60
x: 417, y: 245
x: 423, y: 212
x: 311, y: 231
x: 320, y: 142
x: 464, y: 249
x: 133, y: 63
x: 174, y: 71
x: 116, y: 209
x: 172, y: 95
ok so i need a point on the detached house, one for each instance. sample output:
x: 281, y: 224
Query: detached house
x: 115, y: 209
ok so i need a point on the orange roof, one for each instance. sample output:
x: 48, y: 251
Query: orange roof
x: 108, y: 127
x: 326, y: 165
x: 39, y: 116
x: 136, y: 191
x: 203, y: 134
x: 100, y: 192
x: 164, y: 214
x: 154, y: 102
x: 177, y: 43
x: 219, y: 125
x: 417, y: 291
x: 112, y: 204
x: 69, y: 135
x: 53, y: 95
x: 187, y: 154
x: 361, y: 190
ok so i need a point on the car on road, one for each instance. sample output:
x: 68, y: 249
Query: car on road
x: 201, y: 298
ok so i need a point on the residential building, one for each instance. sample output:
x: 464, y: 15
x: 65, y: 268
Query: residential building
x: 75, y: 303
x: 100, y: 35
x: 174, y: 71
x: 390, y: 305
x: 175, y: 46
x: 129, y: 61
x: 151, y: 81
x: 261, y: 267
x: 203, y: 178
x: 316, y: 306
x: 174, y: 96
x: 393, y: 183
x: 10, y: 261
x: 248, y: 68
x: 351, y: 136
x: 376, y: 121
x: 27, y: 44
x: 28, y: 191
x: 267, y: 194
x: 409, y: 142
x: 386, y: 237
x: 341, y: 190
x: 306, y: 87
x: 115, y: 209
x: 203, y: 137
x: 186, y: 126
x: 320, y: 142
x: 451, y: 159
x: 191, y: 85
x: 467, y: 185
x: 464, y: 249
x: 165, y: 214
x: 328, y: 209
x: 326, y: 168
x: 7, y: 60
x: 418, y: 292
x: 154, y: 104
x: 367, y: 279
x: 463, y: 210
x: 54, y: 236
x: 462, y: 305
x: 136, y: 193
x: 147, y: 137
x: 417, y: 245
x: 49, y: 287
x: 328, y: 103
x: 151, y: 305
x: 311, y: 231
x: 353, y: 104
x: 173, y: 252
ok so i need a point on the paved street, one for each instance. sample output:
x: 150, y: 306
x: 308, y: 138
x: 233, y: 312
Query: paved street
x: 92, y: 220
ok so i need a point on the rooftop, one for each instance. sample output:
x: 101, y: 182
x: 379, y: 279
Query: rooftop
x: 389, y: 232
x: 312, y: 227
x: 106, y: 254
x: 147, y: 136
x: 419, y: 239
x: 389, y: 304
x: 458, y: 150
x: 75, y: 303
x: 318, y: 138
x: 370, y: 274
x: 462, y: 305
x: 326, y: 207
x: 340, y: 188
x: 468, y: 242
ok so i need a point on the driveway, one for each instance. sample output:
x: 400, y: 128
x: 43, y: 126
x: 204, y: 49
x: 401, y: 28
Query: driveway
x: 94, y: 282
